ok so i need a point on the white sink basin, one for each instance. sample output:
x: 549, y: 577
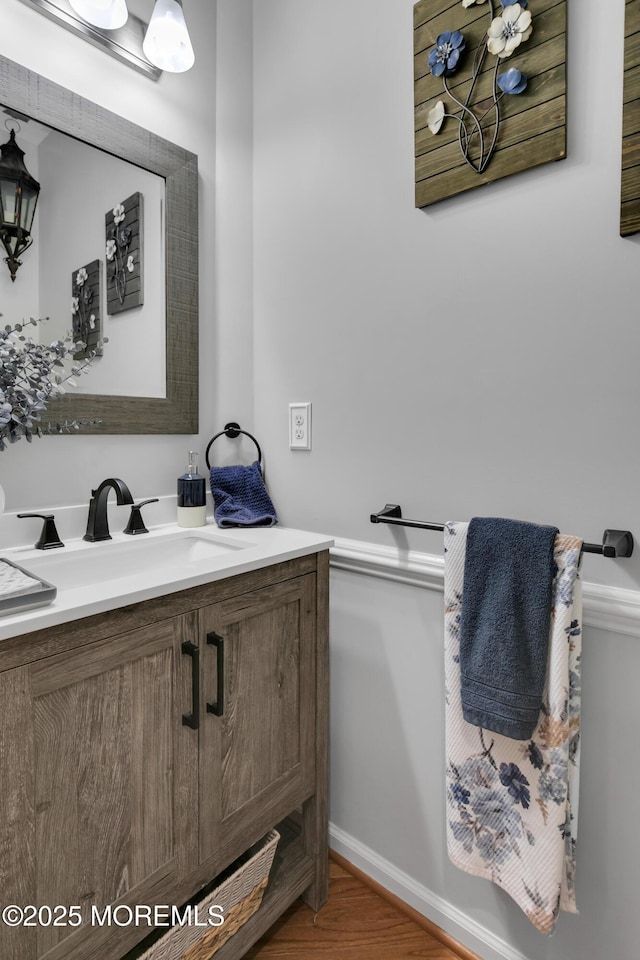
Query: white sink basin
x: 140, y: 556
x: 93, y: 578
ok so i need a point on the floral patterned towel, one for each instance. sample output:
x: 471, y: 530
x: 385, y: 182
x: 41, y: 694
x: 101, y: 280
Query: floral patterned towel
x: 512, y: 805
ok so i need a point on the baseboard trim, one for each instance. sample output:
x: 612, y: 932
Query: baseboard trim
x: 464, y: 935
x: 607, y: 608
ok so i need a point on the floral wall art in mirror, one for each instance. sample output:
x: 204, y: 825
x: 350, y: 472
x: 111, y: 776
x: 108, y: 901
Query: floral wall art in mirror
x: 630, y: 189
x: 86, y: 321
x: 123, y: 234
x: 489, y: 91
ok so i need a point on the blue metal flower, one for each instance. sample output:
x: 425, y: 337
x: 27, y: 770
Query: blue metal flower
x: 512, y: 81
x: 443, y: 59
x: 510, y: 3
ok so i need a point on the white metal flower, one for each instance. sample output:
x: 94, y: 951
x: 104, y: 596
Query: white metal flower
x: 118, y: 213
x: 469, y: 3
x: 74, y: 305
x: 435, y: 117
x: 130, y: 264
x: 507, y: 31
x: 92, y: 321
x: 111, y: 249
x: 81, y: 277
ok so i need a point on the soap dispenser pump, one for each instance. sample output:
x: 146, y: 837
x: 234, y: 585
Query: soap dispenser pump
x: 192, y: 510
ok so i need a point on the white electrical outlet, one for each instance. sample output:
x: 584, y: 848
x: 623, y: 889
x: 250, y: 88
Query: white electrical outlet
x: 300, y: 426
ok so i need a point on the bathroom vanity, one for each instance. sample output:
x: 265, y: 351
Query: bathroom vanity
x: 154, y: 728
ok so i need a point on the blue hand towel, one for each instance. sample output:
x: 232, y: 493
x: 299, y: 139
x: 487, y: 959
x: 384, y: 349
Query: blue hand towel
x: 240, y: 497
x: 505, y: 624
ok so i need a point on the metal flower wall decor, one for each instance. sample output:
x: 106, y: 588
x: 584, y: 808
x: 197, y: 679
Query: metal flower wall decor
x: 123, y: 251
x: 85, y: 310
x: 479, y: 128
x: 484, y: 55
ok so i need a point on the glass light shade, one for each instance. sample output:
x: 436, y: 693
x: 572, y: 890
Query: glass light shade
x: 18, y: 189
x: 106, y: 14
x: 17, y: 205
x: 167, y: 43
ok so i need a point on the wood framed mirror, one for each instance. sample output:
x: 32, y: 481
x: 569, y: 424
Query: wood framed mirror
x: 48, y: 103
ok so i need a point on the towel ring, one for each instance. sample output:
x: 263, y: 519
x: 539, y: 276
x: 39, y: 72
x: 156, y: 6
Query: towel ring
x: 233, y: 430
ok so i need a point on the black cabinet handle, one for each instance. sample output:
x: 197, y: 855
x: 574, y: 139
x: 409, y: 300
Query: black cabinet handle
x: 193, y: 719
x: 217, y: 707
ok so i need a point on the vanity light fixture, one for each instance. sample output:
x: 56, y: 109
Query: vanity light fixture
x: 163, y: 44
x: 106, y: 14
x: 18, y: 198
x: 80, y: 17
x: 167, y: 43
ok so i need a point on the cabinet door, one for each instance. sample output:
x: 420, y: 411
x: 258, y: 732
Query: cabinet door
x: 256, y: 757
x: 99, y: 780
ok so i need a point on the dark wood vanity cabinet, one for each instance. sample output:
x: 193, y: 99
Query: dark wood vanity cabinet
x: 144, y: 749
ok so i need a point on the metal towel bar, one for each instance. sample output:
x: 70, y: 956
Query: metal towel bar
x: 615, y: 543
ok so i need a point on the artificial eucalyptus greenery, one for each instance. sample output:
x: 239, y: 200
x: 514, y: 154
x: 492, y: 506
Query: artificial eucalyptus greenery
x: 31, y: 375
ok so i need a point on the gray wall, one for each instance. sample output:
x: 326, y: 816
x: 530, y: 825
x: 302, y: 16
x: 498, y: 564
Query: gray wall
x: 478, y: 357
x: 78, y: 184
x: 475, y: 357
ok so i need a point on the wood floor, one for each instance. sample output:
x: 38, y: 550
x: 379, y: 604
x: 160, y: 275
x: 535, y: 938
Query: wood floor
x: 356, y: 923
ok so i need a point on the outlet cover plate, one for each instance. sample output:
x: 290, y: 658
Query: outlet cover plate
x: 300, y: 426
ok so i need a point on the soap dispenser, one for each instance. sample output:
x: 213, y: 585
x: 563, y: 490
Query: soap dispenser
x: 192, y: 510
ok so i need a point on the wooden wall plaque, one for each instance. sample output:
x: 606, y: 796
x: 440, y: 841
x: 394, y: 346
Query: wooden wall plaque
x: 532, y: 124
x: 123, y: 230
x: 630, y: 185
x: 86, y: 315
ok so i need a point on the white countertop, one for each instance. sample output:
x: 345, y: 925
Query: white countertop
x: 83, y: 593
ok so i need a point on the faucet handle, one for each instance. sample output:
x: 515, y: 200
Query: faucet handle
x: 49, y: 536
x: 136, y: 523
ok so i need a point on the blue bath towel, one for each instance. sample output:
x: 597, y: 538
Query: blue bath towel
x: 240, y: 497
x: 505, y: 624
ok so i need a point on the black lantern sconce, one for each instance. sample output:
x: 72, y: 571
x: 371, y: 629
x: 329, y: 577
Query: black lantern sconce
x: 18, y: 198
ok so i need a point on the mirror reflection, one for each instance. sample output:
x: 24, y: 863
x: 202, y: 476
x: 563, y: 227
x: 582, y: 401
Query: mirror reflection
x: 96, y: 266
x: 123, y: 410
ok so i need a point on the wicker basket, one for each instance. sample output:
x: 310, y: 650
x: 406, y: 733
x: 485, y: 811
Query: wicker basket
x: 239, y: 896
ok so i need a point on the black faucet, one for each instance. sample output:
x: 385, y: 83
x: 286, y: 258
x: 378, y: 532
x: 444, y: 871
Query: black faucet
x: 97, y: 523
